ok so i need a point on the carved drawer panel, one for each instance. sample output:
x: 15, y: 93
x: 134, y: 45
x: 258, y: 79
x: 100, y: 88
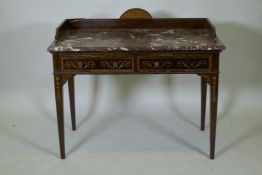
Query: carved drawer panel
x: 174, y: 63
x: 91, y: 63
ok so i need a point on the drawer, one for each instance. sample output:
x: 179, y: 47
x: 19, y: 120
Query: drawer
x: 174, y: 63
x: 92, y: 63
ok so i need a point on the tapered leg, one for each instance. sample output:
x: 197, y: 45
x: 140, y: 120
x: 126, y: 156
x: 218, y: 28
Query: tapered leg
x: 71, y: 88
x: 203, y: 102
x: 213, y: 113
x: 60, y: 113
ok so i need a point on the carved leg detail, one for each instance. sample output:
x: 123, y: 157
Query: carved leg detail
x: 60, y: 113
x: 213, y: 113
x: 203, y: 102
x: 71, y: 88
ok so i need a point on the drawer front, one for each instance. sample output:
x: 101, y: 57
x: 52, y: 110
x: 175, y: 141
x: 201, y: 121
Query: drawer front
x: 85, y: 64
x: 174, y: 63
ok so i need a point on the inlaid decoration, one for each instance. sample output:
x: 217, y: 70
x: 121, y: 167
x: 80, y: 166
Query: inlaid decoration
x: 175, y: 64
x: 78, y: 65
x: 192, y: 64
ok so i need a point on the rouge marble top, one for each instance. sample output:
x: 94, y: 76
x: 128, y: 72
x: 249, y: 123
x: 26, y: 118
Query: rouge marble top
x: 128, y: 39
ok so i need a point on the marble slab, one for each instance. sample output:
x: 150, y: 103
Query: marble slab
x: 136, y: 40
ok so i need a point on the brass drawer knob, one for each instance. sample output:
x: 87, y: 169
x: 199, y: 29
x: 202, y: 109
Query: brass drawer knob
x: 115, y: 65
x: 80, y: 64
x: 156, y: 64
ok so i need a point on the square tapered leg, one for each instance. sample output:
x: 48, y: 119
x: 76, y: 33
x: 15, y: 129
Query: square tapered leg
x: 71, y: 88
x: 203, y: 102
x: 60, y: 113
x: 213, y: 113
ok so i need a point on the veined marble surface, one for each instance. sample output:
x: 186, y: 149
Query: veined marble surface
x: 135, y: 40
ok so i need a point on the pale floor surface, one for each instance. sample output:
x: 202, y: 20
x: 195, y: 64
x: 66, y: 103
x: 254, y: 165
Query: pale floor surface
x: 147, y: 138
